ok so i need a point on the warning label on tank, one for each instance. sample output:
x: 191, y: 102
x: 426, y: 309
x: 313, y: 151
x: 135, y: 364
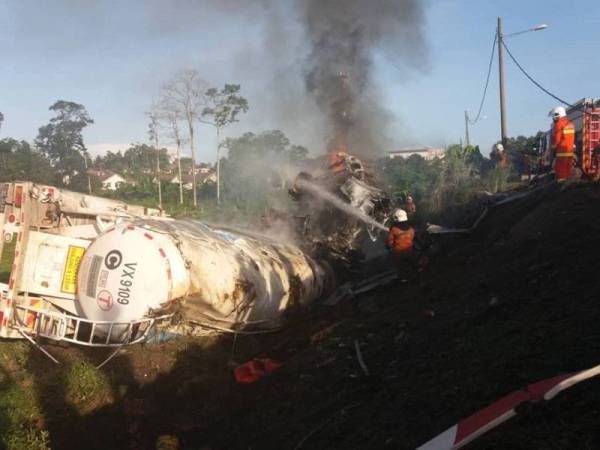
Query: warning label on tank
x: 104, y: 300
x: 69, y: 280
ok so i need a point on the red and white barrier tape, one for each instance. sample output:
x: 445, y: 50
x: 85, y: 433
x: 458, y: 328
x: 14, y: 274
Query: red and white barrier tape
x: 500, y: 411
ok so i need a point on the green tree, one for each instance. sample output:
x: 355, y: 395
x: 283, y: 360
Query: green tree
x: 140, y: 160
x: 438, y: 184
x: 414, y: 175
x: 112, y: 161
x: 297, y: 153
x: 21, y: 162
x: 523, y: 152
x: 223, y: 108
x: 62, y: 142
x: 1, y: 120
x: 248, y: 183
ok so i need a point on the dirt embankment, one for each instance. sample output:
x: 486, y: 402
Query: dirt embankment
x: 515, y: 303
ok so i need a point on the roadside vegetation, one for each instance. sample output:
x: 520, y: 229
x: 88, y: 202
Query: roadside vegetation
x: 249, y: 186
x: 253, y: 171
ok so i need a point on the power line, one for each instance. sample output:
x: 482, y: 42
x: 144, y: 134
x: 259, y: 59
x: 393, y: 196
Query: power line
x: 532, y: 80
x: 580, y: 108
x: 487, y: 81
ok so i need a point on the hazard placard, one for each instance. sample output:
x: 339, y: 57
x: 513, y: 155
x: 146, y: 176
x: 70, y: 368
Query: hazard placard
x: 69, y: 280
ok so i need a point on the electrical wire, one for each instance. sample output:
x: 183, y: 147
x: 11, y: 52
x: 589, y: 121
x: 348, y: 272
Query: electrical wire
x: 530, y: 78
x: 542, y: 88
x: 487, y: 81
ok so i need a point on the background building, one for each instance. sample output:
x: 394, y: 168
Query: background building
x: 424, y: 151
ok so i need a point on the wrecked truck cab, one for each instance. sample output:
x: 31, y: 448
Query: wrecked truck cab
x: 340, y: 207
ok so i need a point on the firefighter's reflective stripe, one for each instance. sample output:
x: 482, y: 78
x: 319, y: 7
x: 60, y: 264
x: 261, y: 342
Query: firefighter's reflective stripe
x: 564, y: 154
x: 568, y: 131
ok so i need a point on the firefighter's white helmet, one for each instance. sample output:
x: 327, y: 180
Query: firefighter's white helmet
x: 400, y: 215
x: 557, y: 112
x: 499, y: 147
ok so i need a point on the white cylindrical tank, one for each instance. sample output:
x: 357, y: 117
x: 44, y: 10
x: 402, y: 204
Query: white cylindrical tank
x: 229, y: 277
x: 127, y: 271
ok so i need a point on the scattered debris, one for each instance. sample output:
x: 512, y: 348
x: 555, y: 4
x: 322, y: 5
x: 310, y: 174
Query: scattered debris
x: 167, y: 442
x: 338, y: 414
x: 323, y: 333
x: 255, y: 369
x: 360, y: 359
x: 350, y: 290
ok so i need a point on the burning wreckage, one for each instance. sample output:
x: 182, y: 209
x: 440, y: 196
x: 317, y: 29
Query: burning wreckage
x: 338, y: 205
x: 99, y: 272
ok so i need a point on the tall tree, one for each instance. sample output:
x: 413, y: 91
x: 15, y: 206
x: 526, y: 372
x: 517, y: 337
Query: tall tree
x: 223, y: 108
x: 153, y: 133
x: 1, y: 120
x: 172, y: 116
x: 186, y: 91
x: 62, y: 140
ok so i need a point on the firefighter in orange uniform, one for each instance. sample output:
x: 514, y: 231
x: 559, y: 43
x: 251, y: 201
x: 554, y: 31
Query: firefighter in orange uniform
x: 563, y: 143
x: 500, y: 157
x: 410, y: 207
x: 400, y: 240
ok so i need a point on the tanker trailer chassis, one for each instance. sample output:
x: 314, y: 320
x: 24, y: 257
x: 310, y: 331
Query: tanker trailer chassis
x: 99, y: 272
x: 44, y: 233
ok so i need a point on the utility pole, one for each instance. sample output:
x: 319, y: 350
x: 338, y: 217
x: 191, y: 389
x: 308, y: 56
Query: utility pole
x: 467, y: 128
x: 500, y: 37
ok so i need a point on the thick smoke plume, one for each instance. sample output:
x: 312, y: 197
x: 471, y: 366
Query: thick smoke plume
x: 306, y: 54
x: 344, y: 36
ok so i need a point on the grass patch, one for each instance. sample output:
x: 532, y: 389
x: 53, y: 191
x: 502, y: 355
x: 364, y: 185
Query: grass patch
x: 21, y: 419
x: 14, y: 356
x: 86, y: 387
x: 6, y: 260
x: 19, y: 416
x: 31, y: 387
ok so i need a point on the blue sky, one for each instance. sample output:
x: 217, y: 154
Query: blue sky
x: 112, y: 56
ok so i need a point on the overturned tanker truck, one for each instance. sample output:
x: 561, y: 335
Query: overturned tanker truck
x: 99, y: 272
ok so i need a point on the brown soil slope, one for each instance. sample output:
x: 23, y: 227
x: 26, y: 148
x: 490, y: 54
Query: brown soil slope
x: 515, y: 303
